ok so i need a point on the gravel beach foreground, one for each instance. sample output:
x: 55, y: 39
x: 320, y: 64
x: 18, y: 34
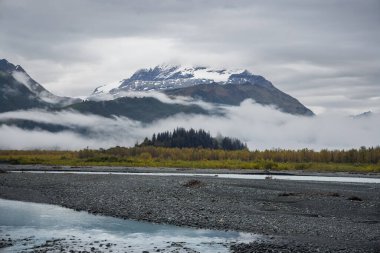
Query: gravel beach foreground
x: 295, y: 216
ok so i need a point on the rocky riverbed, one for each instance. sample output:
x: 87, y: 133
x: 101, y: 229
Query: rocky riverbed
x: 295, y: 216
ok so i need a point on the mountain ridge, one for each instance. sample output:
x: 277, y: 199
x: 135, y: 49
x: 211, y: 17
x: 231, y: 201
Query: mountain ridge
x: 164, y: 77
x: 217, y: 86
x: 20, y: 91
x: 220, y: 86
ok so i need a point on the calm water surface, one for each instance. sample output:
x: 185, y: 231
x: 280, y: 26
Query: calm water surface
x: 31, y: 225
x: 237, y: 176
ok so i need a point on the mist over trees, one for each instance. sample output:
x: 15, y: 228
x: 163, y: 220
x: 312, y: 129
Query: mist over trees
x: 182, y: 138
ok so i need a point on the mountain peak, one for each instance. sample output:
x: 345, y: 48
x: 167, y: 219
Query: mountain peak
x: 20, y: 88
x: 168, y: 66
x: 170, y: 76
x: 3, y: 61
x: 9, y: 67
x: 19, y: 68
x: 362, y: 115
x: 6, y: 66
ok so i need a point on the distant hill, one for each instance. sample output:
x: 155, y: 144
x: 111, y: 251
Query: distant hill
x: 362, y: 115
x: 145, y: 109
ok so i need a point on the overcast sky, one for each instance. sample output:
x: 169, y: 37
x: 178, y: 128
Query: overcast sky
x: 325, y: 53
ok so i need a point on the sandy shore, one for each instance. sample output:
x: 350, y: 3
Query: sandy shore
x: 295, y: 216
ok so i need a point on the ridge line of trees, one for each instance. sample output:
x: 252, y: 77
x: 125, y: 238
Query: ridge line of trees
x: 182, y: 138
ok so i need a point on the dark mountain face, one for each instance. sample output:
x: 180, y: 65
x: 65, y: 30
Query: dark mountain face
x: 16, y: 96
x: 248, y: 78
x: 234, y: 94
x: 146, y: 109
x: 20, y: 91
x: 6, y: 66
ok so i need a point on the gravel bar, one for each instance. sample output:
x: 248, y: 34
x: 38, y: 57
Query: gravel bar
x: 295, y: 216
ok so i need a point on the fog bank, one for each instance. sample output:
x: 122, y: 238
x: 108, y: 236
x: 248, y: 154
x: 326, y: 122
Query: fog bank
x: 261, y: 127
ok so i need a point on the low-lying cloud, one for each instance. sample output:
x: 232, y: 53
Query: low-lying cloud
x: 259, y: 126
x: 154, y: 94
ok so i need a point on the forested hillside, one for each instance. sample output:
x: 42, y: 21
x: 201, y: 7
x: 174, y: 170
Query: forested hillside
x: 182, y: 138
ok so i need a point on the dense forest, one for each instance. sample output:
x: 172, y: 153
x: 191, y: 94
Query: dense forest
x: 182, y: 138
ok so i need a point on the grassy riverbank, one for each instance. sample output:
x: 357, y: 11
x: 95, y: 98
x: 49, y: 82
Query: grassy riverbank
x: 192, y: 158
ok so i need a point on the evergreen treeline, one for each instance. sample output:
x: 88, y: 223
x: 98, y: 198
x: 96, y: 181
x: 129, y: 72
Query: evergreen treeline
x: 182, y: 138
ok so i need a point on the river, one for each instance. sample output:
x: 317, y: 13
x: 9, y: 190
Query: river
x: 33, y: 226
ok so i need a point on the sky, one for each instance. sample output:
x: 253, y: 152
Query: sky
x: 324, y: 53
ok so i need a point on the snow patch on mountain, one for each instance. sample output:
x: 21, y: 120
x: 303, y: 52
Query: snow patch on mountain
x: 217, y: 75
x: 22, y: 78
x: 108, y: 87
x: 166, y: 76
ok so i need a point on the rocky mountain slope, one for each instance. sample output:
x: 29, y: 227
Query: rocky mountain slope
x: 145, y: 109
x: 20, y: 91
x: 164, y: 77
x: 229, y: 87
x: 234, y: 94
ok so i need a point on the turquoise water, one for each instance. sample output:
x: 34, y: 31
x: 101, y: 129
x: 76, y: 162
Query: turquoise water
x: 31, y: 225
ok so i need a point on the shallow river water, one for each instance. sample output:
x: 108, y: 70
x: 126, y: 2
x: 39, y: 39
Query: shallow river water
x: 33, y: 226
x: 344, y: 179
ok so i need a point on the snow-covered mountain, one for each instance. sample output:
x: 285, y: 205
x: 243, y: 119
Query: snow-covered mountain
x: 20, y: 91
x: 219, y: 86
x: 164, y: 77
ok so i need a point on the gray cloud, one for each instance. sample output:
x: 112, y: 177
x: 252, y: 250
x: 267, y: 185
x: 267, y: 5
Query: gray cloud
x: 310, y: 49
x: 261, y: 127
